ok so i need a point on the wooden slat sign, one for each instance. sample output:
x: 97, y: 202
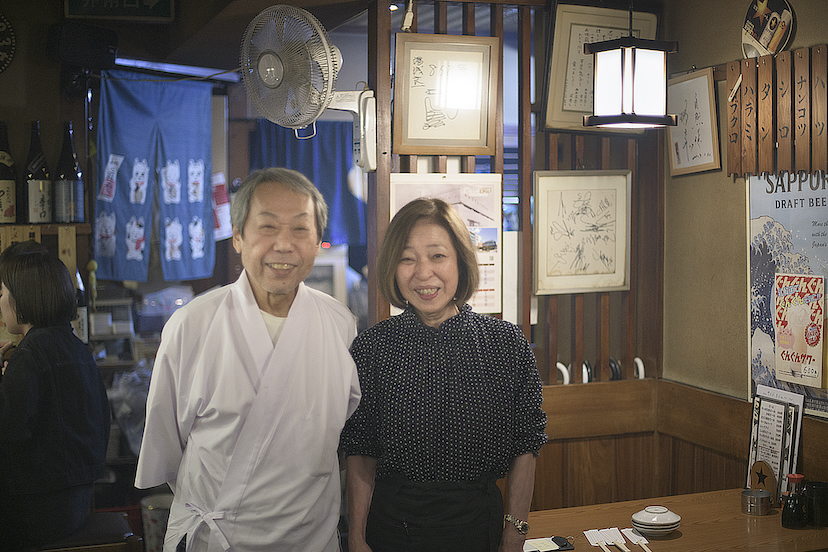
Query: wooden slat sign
x: 784, y: 112
x: 819, y: 106
x: 734, y: 119
x: 777, y: 113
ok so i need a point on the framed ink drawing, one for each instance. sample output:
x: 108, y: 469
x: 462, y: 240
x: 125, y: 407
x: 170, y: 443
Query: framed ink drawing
x: 569, y: 78
x: 581, y: 231
x: 445, y: 94
x: 694, y: 141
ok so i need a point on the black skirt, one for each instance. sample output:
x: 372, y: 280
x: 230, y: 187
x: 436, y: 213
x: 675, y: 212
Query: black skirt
x: 440, y: 516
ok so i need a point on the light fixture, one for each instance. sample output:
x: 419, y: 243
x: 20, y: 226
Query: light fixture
x: 630, y: 82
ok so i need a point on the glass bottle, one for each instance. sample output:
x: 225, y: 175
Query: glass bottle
x: 38, y: 189
x: 8, y: 179
x: 81, y: 323
x: 794, y: 510
x: 68, y: 190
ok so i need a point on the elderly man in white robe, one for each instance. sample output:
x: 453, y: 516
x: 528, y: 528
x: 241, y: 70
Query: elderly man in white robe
x: 251, y: 387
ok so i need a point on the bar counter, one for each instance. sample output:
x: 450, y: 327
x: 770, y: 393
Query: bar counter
x: 710, y: 521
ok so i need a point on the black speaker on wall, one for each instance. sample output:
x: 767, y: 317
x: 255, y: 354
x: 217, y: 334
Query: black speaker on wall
x: 85, y: 46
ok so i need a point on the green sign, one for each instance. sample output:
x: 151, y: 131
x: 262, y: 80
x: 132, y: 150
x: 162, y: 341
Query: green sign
x: 142, y: 10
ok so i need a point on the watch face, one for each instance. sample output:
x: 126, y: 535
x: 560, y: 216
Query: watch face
x: 524, y: 528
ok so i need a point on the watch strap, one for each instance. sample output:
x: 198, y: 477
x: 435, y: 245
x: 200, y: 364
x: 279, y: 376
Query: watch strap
x: 520, y: 525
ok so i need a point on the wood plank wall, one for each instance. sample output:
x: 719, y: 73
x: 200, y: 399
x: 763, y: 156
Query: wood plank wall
x: 624, y: 440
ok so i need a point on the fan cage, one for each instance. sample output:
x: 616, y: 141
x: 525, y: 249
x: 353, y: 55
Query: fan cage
x: 310, y: 64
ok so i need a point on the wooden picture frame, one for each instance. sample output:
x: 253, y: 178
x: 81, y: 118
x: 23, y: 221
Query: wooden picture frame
x: 569, y: 78
x: 581, y: 231
x: 445, y: 94
x: 694, y: 141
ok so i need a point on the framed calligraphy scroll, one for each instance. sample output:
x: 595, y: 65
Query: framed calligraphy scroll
x: 445, y: 94
x: 694, y: 141
x: 581, y: 231
x: 568, y: 94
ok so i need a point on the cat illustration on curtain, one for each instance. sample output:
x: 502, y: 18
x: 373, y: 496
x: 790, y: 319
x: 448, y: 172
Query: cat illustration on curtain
x: 138, y: 182
x: 105, y: 234
x: 171, y: 182
x: 195, y: 180
x: 172, y: 251
x: 196, y: 229
x: 135, y: 239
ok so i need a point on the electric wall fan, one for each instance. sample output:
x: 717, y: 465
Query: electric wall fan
x: 289, y: 69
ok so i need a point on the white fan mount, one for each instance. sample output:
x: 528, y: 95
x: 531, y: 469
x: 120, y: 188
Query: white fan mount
x: 289, y: 69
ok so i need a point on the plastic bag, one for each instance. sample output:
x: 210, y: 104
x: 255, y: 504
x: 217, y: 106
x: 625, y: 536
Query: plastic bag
x: 128, y: 399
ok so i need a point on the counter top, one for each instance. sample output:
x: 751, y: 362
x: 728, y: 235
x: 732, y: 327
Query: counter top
x: 710, y: 521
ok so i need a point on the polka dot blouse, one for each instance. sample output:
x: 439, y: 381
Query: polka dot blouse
x: 448, y: 404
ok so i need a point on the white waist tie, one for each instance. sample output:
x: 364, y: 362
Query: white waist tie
x: 210, y: 519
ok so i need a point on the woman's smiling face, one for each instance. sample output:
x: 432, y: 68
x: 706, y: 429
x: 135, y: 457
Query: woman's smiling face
x: 427, y: 273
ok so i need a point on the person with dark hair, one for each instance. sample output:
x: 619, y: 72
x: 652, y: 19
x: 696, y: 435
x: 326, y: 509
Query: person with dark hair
x: 251, y: 386
x: 451, y: 402
x: 54, y: 412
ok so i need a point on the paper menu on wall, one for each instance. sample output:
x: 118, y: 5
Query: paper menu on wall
x: 798, y: 323
x: 775, y: 429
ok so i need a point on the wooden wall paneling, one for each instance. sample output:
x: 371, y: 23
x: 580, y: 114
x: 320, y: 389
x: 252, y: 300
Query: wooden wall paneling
x: 601, y: 370
x: 576, y: 338
x: 649, y: 267
x: 546, y: 341
x: 734, y: 119
x: 496, y: 29
x: 629, y: 298
x: 549, y: 477
x: 67, y: 248
x: 590, y: 469
x: 634, y: 466
x: 813, y: 459
x: 467, y: 162
x: 784, y: 112
x: 704, y: 418
x: 749, y: 117
x: 802, y: 109
x: 767, y: 129
x: 819, y: 108
x: 379, y: 199
x: 440, y: 27
x: 600, y: 409
x: 525, y: 166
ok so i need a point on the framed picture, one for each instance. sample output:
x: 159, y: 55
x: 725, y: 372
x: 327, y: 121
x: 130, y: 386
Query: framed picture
x: 694, y: 141
x: 445, y: 94
x: 581, y: 231
x: 569, y: 76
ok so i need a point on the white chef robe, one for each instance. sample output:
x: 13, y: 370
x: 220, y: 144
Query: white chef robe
x: 246, y: 433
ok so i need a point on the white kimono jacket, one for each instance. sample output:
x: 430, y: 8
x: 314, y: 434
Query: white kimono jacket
x: 247, y: 433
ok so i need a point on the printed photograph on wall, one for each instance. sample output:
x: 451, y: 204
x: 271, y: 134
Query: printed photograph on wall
x: 788, y: 236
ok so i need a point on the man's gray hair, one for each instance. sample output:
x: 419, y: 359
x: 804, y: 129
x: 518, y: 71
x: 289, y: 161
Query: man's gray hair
x: 296, y: 181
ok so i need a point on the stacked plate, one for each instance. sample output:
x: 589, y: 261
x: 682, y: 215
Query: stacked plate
x: 656, y: 521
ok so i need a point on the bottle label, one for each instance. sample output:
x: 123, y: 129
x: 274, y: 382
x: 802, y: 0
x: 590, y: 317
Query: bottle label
x: 81, y: 324
x: 40, y: 201
x: 68, y: 201
x: 7, y: 202
x: 6, y: 159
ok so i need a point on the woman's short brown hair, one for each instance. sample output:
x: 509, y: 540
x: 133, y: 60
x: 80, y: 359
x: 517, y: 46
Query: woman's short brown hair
x: 41, y: 288
x: 396, y: 237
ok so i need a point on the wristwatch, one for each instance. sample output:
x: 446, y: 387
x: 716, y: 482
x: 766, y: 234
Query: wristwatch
x: 522, y: 526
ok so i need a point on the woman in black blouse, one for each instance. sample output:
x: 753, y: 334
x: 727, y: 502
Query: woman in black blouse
x: 54, y: 413
x: 451, y: 402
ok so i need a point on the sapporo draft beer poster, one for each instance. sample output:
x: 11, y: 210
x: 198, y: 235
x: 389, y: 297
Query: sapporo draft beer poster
x: 798, y: 320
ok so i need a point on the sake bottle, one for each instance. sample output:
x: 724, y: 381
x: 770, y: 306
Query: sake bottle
x: 38, y: 185
x: 81, y: 323
x: 68, y: 190
x: 8, y: 179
